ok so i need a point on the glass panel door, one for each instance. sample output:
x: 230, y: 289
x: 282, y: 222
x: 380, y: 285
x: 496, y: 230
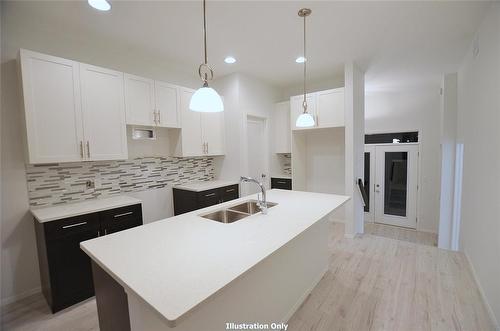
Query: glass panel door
x: 396, y: 184
x: 369, y: 182
x: 396, y: 179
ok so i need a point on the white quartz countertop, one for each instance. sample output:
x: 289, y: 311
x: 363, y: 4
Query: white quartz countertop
x: 205, y: 185
x: 177, y: 263
x: 46, y: 214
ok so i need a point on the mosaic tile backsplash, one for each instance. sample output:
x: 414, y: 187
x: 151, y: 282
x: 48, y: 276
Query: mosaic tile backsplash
x: 286, y: 163
x: 53, y: 184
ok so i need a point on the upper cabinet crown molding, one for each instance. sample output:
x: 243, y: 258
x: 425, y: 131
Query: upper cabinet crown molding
x: 327, y: 108
x: 151, y: 103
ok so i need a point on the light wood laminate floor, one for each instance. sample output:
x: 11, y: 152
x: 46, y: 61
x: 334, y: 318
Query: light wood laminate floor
x: 373, y: 283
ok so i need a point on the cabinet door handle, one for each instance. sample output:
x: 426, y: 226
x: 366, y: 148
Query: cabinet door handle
x: 81, y: 149
x: 159, y: 116
x: 207, y: 147
x: 124, y: 214
x: 73, y: 225
x: 154, y: 116
x: 88, y: 149
x: 210, y: 194
x: 105, y: 232
x: 230, y: 190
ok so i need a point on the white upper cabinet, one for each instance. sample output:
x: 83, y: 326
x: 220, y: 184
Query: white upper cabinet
x: 202, y: 134
x: 51, y: 91
x: 151, y: 103
x: 213, y: 135
x: 103, y: 111
x: 167, y: 105
x: 73, y: 111
x: 327, y: 108
x: 296, y: 108
x: 191, y: 138
x: 330, y: 108
x: 281, y: 127
x: 140, y: 100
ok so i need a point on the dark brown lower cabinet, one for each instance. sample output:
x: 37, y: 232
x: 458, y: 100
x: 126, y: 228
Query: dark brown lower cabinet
x: 281, y: 183
x: 65, y: 270
x: 186, y: 201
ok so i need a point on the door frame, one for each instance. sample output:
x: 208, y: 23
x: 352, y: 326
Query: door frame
x: 265, y: 121
x: 373, y: 162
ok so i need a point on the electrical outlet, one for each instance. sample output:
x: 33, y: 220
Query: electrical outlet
x: 89, y: 185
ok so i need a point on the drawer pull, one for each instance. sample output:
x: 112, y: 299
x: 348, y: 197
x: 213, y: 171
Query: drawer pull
x: 210, y: 195
x: 230, y: 190
x: 281, y: 182
x: 73, y: 225
x: 124, y: 214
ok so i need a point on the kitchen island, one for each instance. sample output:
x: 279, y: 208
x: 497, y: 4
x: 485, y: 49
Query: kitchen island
x: 191, y: 273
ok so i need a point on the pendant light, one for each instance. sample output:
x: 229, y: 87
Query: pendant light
x: 206, y: 99
x: 305, y: 120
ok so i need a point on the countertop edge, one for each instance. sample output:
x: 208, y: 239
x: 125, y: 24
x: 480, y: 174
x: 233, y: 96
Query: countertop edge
x: 174, y: 321
x: 133, y: 201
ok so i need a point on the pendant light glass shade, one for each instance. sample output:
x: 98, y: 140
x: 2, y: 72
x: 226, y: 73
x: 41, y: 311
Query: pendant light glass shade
x: 206, y: 100
x: 305, y: 120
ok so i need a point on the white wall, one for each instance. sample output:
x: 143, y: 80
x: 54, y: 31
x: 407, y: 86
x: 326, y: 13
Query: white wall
x: 478, y: 129
x: 413, y: 109
x: 19, y: 29
x: 333, y: 81
x: 243, y: 96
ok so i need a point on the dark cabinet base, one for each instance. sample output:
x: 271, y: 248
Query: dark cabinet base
x: 65, y: 270
x: 112, y: 302
x: 281, y: 183
x: 186, y: 201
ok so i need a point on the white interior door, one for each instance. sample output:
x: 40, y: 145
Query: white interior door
x: 396, y: 185
x: 369, y: 182
x: 256, y: 153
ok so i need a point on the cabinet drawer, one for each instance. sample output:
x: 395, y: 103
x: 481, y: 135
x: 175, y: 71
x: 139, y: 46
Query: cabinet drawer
x: 119, y: 219
x: 281, y: 183
x: 208, y: 198
x: 73, y: 225
x: 229, y: 193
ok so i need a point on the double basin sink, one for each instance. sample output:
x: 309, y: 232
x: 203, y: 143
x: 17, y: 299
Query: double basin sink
x: 237, y: 212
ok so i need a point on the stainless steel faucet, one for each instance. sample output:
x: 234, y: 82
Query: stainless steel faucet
x: 262, y: 203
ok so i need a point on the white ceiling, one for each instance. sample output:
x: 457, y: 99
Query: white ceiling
x: 397, y: 43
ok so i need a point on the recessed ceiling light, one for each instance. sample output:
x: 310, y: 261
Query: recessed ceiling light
x: 100, y: 4
x: 230, y: 60
x: 300, y: 59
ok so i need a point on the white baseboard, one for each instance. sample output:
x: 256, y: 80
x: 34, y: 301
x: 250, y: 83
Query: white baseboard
x: 303, y: 297
x: 18, y: 297
x: 483, y: 296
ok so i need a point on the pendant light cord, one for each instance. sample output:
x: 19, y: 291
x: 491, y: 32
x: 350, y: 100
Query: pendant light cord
x: 204, y: 70
x: 205, y: 31
x: 304, y: 103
